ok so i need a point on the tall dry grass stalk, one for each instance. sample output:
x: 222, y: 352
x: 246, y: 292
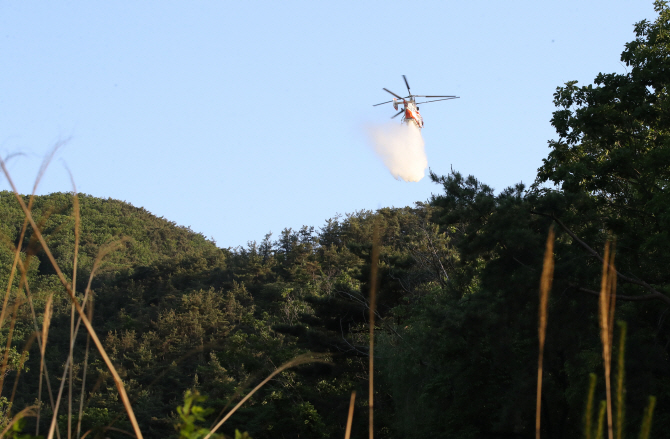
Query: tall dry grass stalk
x: 108, y: 428
x: 46, y: 324
x: 23, y: 283
x: 75, y: 210
x: 303, y: 359
x: 104, y: 251
x: 68, y: 287
x: 42, y: 336
x: 84, y: 372
x: 17, y: 252
x: 373, y: 306
x: 545, y: 286
x: 606, y: 302
x: 26, y: 412
x: 350, y: 417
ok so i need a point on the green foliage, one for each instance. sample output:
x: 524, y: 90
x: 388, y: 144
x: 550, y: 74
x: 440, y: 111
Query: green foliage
x: 16, y: 431
x: 611, y: 158
x: 458, y: 359
x: 177, y: 313
x: 597, y: 431
x: 192, y: 412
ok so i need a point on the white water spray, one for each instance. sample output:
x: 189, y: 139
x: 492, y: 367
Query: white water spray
x: 401, y: 148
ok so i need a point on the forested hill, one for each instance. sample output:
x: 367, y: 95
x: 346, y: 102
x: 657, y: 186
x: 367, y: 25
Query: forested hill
x: 149, y: 238
x: 456, y: 329
x: 178, y: 313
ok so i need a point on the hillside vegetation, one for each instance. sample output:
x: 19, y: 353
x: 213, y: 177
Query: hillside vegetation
x: 457, y: 303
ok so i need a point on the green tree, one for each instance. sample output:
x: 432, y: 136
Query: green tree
x: 611, y: 162
x: 461, y: 362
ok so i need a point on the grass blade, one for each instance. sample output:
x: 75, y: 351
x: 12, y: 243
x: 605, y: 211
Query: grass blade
x: 600, y: 426
x: 606, y: 303
x: 588, y: 415
x: 645, y: 429
x: 303, y: 359
x: 620, y: 377
x: 23, y: 413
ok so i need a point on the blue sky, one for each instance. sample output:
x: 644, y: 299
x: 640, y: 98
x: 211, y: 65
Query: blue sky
x: 241, y: 118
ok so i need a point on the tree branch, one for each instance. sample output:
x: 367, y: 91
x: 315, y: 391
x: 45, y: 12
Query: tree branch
x: 620, y: 297
x: 654, y: 294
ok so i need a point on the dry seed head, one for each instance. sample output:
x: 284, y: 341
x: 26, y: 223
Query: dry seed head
x: 545, y: 286
x: 350, y: 418
x: 606, y: 304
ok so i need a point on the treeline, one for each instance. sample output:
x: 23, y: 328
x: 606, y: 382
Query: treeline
x: 178, y: 313
x: 456, y: 321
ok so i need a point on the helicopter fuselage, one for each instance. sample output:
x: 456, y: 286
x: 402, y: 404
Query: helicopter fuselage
x: 412, y: 114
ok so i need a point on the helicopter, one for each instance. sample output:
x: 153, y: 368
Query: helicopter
x: 410, y: 106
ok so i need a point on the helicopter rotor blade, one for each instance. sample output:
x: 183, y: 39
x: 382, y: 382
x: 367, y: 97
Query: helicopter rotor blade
x: 389, y: 91
x: 387, y: 102
x: 398, y: 114
x: 446, y: 99
x: 431, y: 96
x: 407, y: 84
